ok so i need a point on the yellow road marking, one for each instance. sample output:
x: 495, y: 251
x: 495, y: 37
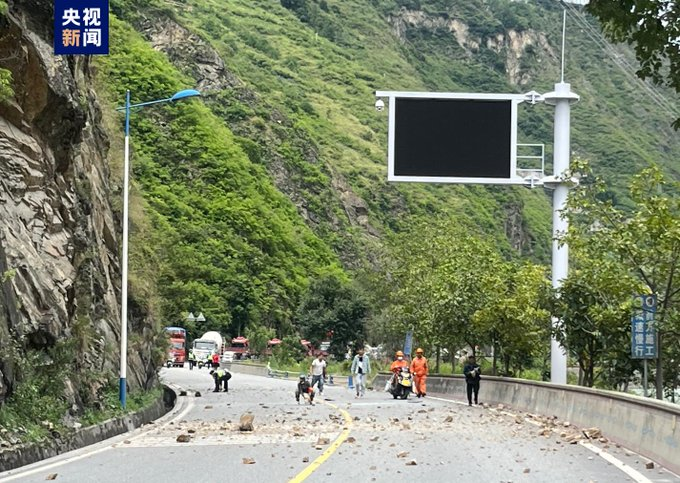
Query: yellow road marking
x: 314, y: 465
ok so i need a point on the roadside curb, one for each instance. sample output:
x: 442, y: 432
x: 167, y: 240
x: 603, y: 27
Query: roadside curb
x: 26, y: 454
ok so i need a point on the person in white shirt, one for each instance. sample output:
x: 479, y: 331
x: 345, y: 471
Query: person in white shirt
x: 361, y: 367
x: 318, y: 370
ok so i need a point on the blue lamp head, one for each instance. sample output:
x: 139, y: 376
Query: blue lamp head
x: 185, y: 93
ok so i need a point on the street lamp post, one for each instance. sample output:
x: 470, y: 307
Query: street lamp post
x: 126, y: 181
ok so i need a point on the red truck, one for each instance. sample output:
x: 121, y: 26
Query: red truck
x: 238, y: 349
x: 178, y: 346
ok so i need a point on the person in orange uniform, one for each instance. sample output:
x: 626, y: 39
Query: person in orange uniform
x: 420, y: 369
x: 399, y: 362
x: 396, y: 366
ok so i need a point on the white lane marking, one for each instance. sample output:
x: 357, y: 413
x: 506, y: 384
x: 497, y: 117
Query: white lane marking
x: 64, y: 459
x: 378, y: 403
x: 226, y: 440
x: 452, y: 401
x: 177, y: 418
x: 631, y: 472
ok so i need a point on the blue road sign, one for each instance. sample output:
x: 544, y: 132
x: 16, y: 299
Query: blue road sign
x: 643, y: 329
x: 408, y: 343
x: 81, y: 27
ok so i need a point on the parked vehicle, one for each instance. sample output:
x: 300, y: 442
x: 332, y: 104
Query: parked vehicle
x: 178, y: 350
x: 209, y: 343
x: 239, y: 347
x: 403, y: 385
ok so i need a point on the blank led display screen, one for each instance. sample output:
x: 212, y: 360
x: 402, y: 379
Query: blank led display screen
x: 452, y: 138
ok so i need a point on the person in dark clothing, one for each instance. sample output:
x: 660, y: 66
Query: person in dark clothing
x: 221, y: 376
x: 304, y: 387
x: 472, y: 377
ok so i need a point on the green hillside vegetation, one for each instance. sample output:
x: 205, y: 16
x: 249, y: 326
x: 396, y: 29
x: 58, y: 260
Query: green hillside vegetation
x: 303, y: 106
x: 229, y: 242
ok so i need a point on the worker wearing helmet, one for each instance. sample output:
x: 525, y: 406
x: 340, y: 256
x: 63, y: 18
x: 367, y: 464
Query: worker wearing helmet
x: 420, y: 369
x: 304, y: 389
x: 399, y: 362
x: 396, y: 366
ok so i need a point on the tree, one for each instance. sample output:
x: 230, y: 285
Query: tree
x: 258, y: 336
x: 332, y: 309
x: 644, y: 239
x: 289, y: 350
x: 594, y: 312
x: 441, y: 273
x: 653, y: 27
x: 517, y: 320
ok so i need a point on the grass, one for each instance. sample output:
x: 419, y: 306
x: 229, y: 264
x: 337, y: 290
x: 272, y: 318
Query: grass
x: 111, y: 406
x: 40, y: 418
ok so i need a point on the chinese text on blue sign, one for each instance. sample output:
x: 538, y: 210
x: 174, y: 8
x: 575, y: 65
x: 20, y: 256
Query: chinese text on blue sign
x: 408, y: 343
x: 81, y: 27
x: 643, y: 329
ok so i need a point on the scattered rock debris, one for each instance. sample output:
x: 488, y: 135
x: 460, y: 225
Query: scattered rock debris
x: 246, y: 422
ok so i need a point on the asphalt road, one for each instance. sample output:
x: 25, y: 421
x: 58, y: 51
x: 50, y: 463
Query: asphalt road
x: 338, y: 439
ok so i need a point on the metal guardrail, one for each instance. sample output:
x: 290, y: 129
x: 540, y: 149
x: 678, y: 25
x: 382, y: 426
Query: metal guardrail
x: 277, y: 374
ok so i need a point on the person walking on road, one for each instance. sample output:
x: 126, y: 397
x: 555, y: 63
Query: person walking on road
x: 472, y: 377
x: 192, y: 360
x: 420, y: 370
x: 318, y: 370
x: 215, y: 360
x: 361, y: 367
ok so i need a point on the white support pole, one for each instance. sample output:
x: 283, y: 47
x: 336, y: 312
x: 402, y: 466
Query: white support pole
x: 561, y: 98
x: 122, y: 390
x: 184, y: 94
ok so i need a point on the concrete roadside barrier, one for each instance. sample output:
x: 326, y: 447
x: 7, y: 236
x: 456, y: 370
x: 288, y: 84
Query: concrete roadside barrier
x: 646, y: 426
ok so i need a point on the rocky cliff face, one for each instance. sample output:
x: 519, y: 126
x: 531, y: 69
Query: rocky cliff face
x: 59, y: 267
x: 514, y: 44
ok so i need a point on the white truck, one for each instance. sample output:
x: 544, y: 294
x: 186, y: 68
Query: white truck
x: 208, y: 344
